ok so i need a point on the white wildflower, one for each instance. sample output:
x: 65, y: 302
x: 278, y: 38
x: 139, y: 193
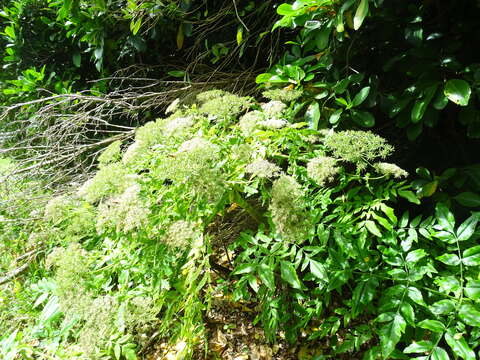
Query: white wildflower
x: 322, y: 169
x: 273, y: 123
x: 176, y: 126
x: 173, y: 106
x: 388, y: 170
x: 263, y: 169
x: 111, y: 153
x: 249, y: 122
x: 273, y: 108
x: 125, y: 212
x: 181, y: 233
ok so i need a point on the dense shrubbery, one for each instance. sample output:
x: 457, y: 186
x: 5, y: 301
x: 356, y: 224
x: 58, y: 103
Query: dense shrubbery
x: 337, y: 235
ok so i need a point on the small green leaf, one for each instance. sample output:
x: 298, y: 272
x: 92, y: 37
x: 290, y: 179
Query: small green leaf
x: 372, y: 227
x: 472, y: 290
x: 318, y: 270
x: 432, y: 325
x: 468, y: 199
x: 390, y: 335
x: 312, y: 115
x: 363, y: 118
x: 409, y: 195
x: 467, y: 228
x: 442, y: 307
x: 416, y: 295
x: 419, y: 347
x: 77, y: 59
x: 449, y: 259
x: 335, y: 116
x: 360, y: 14
x: 321, y: 40
x: 458, y: 91
x: 408, y: 313
x: 414, y: 256
x: 262, y: 78
x: 177, y: 73
x: 471, y: 256
x: 469, y: 314
x: 265, y: 273
x: 289, y: 274
x: 245, y: 269
x: 459, y: 345
x: 361, y: 96
x: 439, y: 354
x: 444, y: 217
x: 363, y: 294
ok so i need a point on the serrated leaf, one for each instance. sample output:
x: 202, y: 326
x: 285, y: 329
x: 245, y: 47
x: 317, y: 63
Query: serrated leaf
x: 361, y: 96
x: 471, y: 256
x: 390, y: 334
x: 469, y: 314
x: 449, y: 259
x: 289, y: 274
x: 467, y: 228
x: 458, y: 91
x: 432, y: 325
x: 459, y: 345
x: 360, y: 14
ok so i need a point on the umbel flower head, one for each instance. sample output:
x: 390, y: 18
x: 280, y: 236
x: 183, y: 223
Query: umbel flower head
x: 322, y: 169
x: 285, y: 95
x: 273, y: 109
x: 390, y: 170
x: 263, y: 169
x: 124, y: 213
x: 181, y: 233
x: 249, y: 122
x: 288, y: 209
x: 111, y: 153
x: 358, y: 147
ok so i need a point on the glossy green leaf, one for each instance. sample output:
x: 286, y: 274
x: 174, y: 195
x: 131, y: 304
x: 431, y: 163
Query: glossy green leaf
x: 335, y: 117
x: 444, y: 217
x: 363, y: 294
x: 265, y: 273
x: 361, y: 96
x: 442, y: 307
x: 468, y: 199
x: 360, y: 14
x: 472, y: 290
x: 467, y: 228
x: 415, y: 256
x: 318, y: 270
x: 372, y: 227
x: 363, y: 118
x: 322, y: 38
x: 409, y: 195
x: 459, y: 345
x: 469, y: 314
x: 390, y: 334
x: 432, y: 325
x: 312, y: 115
x: 77, y: 59
x: 449, y: 259
x: 289, y: 274
x: 245, y: 269
x: 458, y: 91
x: 416, y: 295
x: 471, y: 256
x: 439, y: 354
x: 419, y: 347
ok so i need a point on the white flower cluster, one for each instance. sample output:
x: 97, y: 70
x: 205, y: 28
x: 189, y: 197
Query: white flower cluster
x: 288, y: 209
x: 249, y: 122
x: 181, y: 233
x: 322, y: 169
x: 273, y: 124
x: 176, y: 126
x: 111, y: 179
x: 273, y: 108
x: 125, y: 212
x: 263, y: 169
x: 389, y: 170
x: 57, y: 209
